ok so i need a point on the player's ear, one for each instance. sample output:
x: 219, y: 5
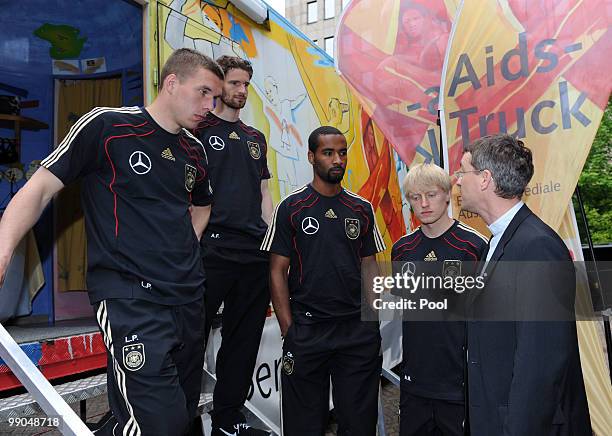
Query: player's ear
x: 170, y: 82
x: 311, y: 157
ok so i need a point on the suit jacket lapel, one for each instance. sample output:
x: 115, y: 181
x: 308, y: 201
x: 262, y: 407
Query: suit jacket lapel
x: 487, y: 268
x: 520, y: 216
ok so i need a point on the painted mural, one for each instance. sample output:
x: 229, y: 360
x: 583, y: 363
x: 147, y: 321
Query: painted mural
x: 294, y: 89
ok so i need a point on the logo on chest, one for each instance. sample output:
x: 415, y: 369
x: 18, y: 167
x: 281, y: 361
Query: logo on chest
x: 234, y: 136
x: 431, y: 257
x: 254, y: 149
x: 451, y: 268
x: 190, y: 177
x: 167, y: 154
x: 310, y: 225
x: 216, y: 143
x: 408, y: 269
x: 352, y: 227
x: 140, y: 162
x: 331, y: 214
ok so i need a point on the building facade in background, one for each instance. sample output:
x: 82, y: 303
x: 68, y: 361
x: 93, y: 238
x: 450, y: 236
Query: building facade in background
x: 317, y: 19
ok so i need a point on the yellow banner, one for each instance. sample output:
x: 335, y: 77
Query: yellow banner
x: 539, y: 71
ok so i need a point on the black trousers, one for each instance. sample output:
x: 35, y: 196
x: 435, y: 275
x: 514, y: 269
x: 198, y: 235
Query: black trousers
x: 420, y: 416
x: 349, y: 353
x: 243, y: 289
x: 155, y: 362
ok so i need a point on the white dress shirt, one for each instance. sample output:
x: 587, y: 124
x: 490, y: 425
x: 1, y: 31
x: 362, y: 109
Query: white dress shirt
x: 499, y: 227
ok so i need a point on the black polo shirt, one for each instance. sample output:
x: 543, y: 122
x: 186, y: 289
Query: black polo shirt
x: 237, y: 164
x: 433, y: 351
x: 138, y: 182
x: 325, y: 239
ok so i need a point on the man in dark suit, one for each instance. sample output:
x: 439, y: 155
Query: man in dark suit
x: 524, y: 374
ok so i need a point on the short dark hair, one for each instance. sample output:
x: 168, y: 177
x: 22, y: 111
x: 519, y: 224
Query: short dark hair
x: 313, y: 139
x: 184, y: 61
x: 510, y: 162
x: 230, y: 62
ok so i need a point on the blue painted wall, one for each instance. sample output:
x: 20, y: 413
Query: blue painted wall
x: 111, y: 28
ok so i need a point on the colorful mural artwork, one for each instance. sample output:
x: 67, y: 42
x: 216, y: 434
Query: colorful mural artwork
x: 294, y: 89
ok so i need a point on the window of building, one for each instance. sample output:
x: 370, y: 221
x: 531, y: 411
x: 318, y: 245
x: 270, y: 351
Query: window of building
x: 345, y: 3
x: 330, y: 9
x: 329, y: 46
x: 316, y: 41
x: 312, y: 12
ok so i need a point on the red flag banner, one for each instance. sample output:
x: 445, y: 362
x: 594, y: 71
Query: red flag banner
x: 391, y: 54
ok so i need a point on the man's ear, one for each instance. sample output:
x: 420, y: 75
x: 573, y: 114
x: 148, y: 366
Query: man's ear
x: 311, y: 157
x: 170, y: 83
x: 487, y: 180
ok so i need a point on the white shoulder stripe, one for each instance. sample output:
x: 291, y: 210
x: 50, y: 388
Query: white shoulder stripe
x: 81, y: 122
x: 378, y: 239
x: 198, y: 141
x: 471, y: 230
x: 296, y: 191
x: 269, y: 238
x: 191, y: 135
x: 380, y: 242
x: 414, y: 231
x: 78, y: 126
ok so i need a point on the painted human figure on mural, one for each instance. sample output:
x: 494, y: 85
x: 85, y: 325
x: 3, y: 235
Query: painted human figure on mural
x: 285, y: 138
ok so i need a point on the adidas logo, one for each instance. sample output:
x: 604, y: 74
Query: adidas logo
x: 167, y: 154
x: 330, y: 214
x: 234, y: 135
x: 431, y: 257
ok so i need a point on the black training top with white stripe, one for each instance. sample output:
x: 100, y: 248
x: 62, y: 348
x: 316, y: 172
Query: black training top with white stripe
x: 138, y: 182
x: 325, y: 239
x: 433, y: 363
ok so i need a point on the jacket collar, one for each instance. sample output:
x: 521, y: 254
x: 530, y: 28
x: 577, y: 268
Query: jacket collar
x: 520, y: 216
x: 488, y: 270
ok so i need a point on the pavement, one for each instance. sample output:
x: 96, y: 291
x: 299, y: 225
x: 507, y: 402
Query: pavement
x: 98, y: 406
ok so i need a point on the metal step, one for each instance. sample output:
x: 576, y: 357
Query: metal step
x: 23, y: 405
x: 81, y: 390
x: 19, y: 406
